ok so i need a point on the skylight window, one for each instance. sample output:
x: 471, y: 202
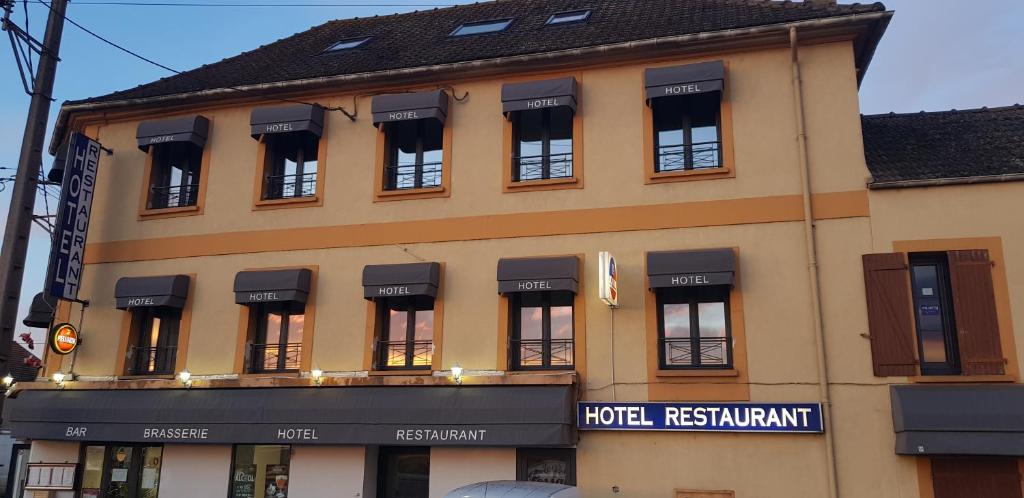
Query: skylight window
x: 476, y: 28
x: 569, y: 17
x: 347, y: 44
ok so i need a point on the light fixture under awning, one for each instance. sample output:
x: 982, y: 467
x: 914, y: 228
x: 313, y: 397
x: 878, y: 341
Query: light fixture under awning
x: 135, y: 292
x: 287, y: 119
x: 684, y: 80
x: 273, y: 286
x: 538, y: 274
x: 690, y: 268
x: 561, y: 92
x: 410, y: 106
x: 958, y: 420
x: 411, y: 279
x: 191, y: 129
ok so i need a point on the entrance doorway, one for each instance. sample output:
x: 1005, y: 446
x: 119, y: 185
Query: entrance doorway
x: 403, y: 472
x: 121, y: 471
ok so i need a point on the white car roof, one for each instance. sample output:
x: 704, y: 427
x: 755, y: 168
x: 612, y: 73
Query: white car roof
x: 514, y: 489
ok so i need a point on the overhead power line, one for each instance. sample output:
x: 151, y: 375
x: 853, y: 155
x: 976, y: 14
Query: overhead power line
x: 192, y: 76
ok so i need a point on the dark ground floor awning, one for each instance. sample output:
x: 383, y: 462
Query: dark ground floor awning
x: 400, y: 415
x: 959, y: 420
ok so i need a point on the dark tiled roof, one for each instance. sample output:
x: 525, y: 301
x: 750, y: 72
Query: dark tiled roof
x: 421, y: 38
x: 944, y: 145
x: 20, y: 370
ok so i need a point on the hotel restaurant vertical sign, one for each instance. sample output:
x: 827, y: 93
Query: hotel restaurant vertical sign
x: 64, y: 273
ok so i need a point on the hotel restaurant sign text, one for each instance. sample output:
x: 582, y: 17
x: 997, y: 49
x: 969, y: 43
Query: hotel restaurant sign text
x: 73, y: 211
x: 703, y: 417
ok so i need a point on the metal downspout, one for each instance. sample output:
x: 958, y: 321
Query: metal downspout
x: 812, y: 267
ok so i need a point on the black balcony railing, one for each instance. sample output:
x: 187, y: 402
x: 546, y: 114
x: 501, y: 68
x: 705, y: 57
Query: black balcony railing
x: 290, y: 186
x: 689, y: 157
x: 173, y: 196
x: 540, y: 353
x: 151, y: 360
x: 708, y: 352
x: 543, y: 167
x: 405, y: 354
x: 275, y: 357
x: 407, y: 176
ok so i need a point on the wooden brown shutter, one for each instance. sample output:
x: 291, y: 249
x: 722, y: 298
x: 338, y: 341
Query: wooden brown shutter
x: 976, y: 477
x: 887, y: 284
x: 974, y: 303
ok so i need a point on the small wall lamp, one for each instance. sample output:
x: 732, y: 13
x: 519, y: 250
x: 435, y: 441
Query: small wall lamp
x: 8, y: 381
x: 457, y: 374
x: 59, y: 378
x: 186, y: 378
x: 318, y: 376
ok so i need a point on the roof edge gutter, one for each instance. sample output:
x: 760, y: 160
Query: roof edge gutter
x: 938, y: 182
x: 648, y: 47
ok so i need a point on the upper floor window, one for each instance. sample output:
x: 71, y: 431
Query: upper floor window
x: 543, y: 144
x: 541, y: 294
x: 542, y: 118
x: 693, y: 327
x: 291, y: 167
x: 155, y: 304
x: 687, y: 132
x: 413, y: 127
x: 276, y: 334
x: 154, y: 340
x: 414, y: 151
x: 277, y: 342
x: 685, y: 106
x: 404, y: 297
x: 174, y: 180
x: 480, y: 27
x: 176, y: 150
x: 953, y: 326
x: 290, y: 136
x: 542, y: 330
x: 406, y: 333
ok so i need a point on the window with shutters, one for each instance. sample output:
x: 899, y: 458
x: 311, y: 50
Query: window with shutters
x: 988, y: 477
x: 933, y: 313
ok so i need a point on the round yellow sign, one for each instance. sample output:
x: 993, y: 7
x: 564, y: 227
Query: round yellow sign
x: 63, y: 338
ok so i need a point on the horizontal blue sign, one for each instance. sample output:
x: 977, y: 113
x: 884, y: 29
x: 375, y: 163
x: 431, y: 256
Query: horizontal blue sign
x: 709, y: 417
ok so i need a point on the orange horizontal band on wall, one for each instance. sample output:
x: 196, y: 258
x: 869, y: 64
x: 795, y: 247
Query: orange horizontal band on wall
x: 773, y: 209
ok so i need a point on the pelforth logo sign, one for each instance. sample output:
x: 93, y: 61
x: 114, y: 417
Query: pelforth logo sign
x: 64, y: 274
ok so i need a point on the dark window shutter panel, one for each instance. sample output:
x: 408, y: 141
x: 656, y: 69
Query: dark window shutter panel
x: 974, y: 303
x: 963, y: 477
x: 887, y: 286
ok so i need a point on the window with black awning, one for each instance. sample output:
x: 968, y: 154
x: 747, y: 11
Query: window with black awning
x: 297, y: 118
x: 538, y: 274
x: 685, y: 104
x: 291, y: 136
x: 413, y: 127
x: 672, y: 81
x: 404, y: 326
x: 530, y: 95
x: 541, y: 295
x: 542, y: 115
x: 410, y: 106
x: 690, y: 268
x: 155, y: 304
x: 176, y: 147
x: 187, y: 129
x: 277, y: 321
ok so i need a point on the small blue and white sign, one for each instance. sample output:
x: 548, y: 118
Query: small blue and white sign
x: 706, y: 417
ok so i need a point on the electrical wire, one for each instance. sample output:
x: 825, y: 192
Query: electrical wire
x: 257, y: 5
x: 192, y: 76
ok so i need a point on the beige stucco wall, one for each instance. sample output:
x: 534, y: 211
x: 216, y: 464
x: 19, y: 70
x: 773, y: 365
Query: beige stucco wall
x: 451, y: 468
x: 195, y: 470
x: 759, y: 90
x: 321, y: 471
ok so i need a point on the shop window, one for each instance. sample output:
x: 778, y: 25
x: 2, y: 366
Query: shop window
x: 953, y: 327
x: 277, y: 339
x: 403, y: 472
x: 153, y: 340
x: 405, y: 332
x: 687, y: 132
x: 121, y: 471
x: 553, y: 465
x: 693, y: 327
x: 291, y: 165
x: 542, y: 330
x: 542, y: 141
x: 933, y: 314
x: 413, y: 154
x: 260, y: 471
x: 174, y: 180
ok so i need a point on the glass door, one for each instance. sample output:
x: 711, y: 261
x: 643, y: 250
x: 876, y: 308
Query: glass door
x: 403, y: 472
x: 121, y: 471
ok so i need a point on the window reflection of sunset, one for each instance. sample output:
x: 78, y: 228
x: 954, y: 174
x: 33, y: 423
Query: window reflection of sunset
x: 561, y: 322
x: 677, y: 320
x: 712, y: 319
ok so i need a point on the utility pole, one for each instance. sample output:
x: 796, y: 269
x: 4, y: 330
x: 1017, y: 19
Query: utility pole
x: 23, y: 194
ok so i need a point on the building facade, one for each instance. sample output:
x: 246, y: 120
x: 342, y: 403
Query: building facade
x: 367, y: 261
